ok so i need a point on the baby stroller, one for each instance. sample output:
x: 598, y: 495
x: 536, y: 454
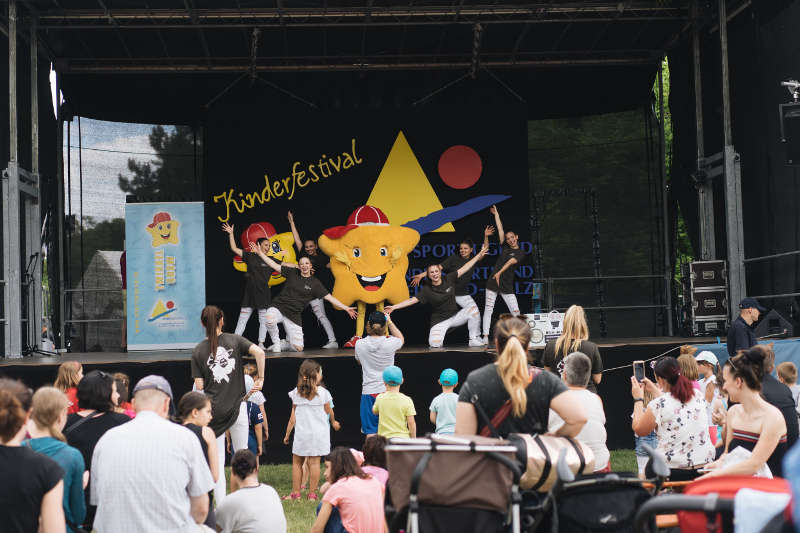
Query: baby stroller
x: 708, y: 505
x: 593, y: 502
x: 452, y: 483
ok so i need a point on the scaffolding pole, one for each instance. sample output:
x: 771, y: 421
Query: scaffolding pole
x: 705, y: 189
x: 34, y: 214
x: 60, y: 294
x: 12, y: 294
x: 664, y: 194
x: 733, y: 191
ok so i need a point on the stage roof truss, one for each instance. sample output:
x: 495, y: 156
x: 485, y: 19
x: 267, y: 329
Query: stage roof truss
x: 105, y: 37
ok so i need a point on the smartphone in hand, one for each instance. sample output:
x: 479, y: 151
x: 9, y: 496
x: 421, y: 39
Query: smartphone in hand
x: 638, y: 370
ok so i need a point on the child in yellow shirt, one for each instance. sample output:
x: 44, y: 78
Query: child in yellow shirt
x: 395, y: 410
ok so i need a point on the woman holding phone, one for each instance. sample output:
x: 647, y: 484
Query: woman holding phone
x: 678, y: 414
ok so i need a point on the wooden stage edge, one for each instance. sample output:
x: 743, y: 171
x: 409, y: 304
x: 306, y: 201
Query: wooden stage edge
x: 145, y: 357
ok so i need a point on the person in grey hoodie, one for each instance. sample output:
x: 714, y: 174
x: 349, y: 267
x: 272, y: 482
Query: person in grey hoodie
x: 48, y: 417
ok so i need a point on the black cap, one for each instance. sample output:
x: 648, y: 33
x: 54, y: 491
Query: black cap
x: 376, y: 317
x: 751, y: 303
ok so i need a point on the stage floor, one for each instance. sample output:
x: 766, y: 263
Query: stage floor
x: 144, y: 357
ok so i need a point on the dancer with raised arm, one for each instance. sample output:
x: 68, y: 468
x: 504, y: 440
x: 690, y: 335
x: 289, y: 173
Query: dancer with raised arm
x: 301, y: 287
x: 320, y: 267
x: 456, y: 261
x: 256, y: 291
x: 445, y: 312
x: 502, y: 277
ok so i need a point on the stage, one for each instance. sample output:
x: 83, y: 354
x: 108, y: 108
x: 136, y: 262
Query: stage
x: 342, y: 375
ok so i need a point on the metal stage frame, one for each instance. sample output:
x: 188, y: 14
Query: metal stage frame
x: 49, y: 28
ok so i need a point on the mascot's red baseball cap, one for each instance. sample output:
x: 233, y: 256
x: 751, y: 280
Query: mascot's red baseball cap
x: 258, y: 230
x: 158, y: 218
x: 366, y: 215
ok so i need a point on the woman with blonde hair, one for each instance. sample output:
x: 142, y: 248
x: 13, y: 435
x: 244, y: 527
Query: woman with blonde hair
x: 532, y: 395
x: 69, y: 375
x: 48, y: 417
x: 574, y: 338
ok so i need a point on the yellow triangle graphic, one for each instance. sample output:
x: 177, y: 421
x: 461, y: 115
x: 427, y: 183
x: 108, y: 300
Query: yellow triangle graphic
x: 402, y: 190
x: 158, y: 309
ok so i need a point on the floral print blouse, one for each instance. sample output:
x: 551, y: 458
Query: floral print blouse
x: 682, y: 430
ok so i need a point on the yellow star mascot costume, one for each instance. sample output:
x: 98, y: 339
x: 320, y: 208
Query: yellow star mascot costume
x: 369, y: 259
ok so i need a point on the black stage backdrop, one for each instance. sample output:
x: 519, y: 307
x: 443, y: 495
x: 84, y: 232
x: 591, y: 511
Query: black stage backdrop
x: 763, y: 51
x: 245, y: 147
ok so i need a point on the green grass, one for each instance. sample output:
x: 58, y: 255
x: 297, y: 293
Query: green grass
x: 300, y: 514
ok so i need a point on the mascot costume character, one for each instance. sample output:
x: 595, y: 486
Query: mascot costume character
x: 281, y: 247
x: 369, y: 259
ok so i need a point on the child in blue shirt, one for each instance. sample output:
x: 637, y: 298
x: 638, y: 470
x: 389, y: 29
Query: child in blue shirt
x: 443, y: 407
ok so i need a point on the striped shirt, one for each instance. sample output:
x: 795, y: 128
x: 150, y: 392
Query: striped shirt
x: 143, y: 475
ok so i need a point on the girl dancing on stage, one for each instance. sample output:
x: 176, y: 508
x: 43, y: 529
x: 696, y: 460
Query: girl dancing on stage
x: 445, y: 312
x: 321, y: 269
x: 502, y: 277
x: 256, y: 290
x: 456, y: 261
x: 299, y: 289
x: 217, y: 369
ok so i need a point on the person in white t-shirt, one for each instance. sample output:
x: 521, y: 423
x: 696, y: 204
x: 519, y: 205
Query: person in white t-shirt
x: 576, y: 374
x: 374, y: 353
x: 251, y: 507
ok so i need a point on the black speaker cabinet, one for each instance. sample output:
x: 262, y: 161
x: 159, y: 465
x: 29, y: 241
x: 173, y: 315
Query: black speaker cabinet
x: 790, y: 132
x: 708, y: 274
x: 773, y: 323
x: 709, y: 303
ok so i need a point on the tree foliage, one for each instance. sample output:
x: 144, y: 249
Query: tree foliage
x: 172, y: 174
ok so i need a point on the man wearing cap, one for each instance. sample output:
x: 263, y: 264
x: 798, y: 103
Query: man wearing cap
x: 150, y: 474
x: 740, y: 334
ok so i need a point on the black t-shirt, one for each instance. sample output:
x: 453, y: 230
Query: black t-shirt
x: 780, y: 396
x: 740, y: 336
x: 27, y: 477
x: 321, y: 271
x: 223, y: 378
x: 85, y: 436
x: 258, y: 271
x: 297, y: 292
x: 442, y: 298
x: 507, y: 277
x: 485, y: 382
x: 452, y: 264
x: 553, y: 360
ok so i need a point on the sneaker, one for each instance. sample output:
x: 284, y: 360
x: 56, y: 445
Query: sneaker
x: 333, y: 345
x: 292, y: 496
x: 275, y: 348
x: 285, y: 346
x: 352, y: 342
x: 485, y: 340
x: 261, y: 345
x: 477, y: 342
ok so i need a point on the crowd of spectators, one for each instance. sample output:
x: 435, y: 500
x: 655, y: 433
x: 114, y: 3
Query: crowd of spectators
x: 94, y: 453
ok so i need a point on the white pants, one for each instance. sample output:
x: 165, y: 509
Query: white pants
x: 491, y: 296
x: 244, y: 316
x: 294, y: 333
x: 318, y: 306
x: 239, y: 431
x: 467, y: 315
x: 466, y: 301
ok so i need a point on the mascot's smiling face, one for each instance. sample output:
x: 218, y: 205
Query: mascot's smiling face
x: 369, y: 263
